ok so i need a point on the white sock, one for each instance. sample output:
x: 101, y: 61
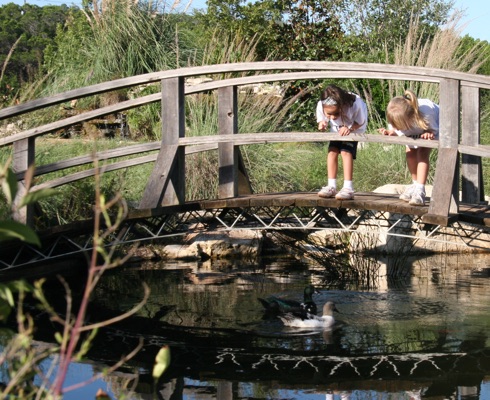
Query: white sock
x: 348, y: 185
x: 420, y: 186
x: 414, y: 182
x: 332, y: 182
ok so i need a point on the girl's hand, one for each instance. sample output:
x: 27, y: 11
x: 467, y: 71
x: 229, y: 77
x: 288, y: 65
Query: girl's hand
x: 344, y: 131
x: 386, y: 132
x: 322, y: 125
x: 427, y: 135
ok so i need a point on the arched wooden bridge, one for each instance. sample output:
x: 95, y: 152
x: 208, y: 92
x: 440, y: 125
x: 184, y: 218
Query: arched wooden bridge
x: 164, y: 210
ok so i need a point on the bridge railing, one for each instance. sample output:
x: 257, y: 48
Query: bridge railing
x: 459, y: 101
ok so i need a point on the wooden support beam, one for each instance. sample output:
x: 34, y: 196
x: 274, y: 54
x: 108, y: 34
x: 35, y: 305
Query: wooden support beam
x: 23, y: 158
x: 166, y: 185
x: 441, y: 199
x: 445, y: 199
x: 471, y: 168
x: 233, y: 178
x: 227, y: 152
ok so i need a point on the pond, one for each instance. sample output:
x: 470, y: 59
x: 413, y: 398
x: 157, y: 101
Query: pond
x: 423, y: 332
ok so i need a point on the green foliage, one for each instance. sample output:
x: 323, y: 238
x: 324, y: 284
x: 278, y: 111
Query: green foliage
x: 162, y: 361
x: 11, y: 229
x: 127, y: 41
x: 26, y: 31
x: 380, y: 25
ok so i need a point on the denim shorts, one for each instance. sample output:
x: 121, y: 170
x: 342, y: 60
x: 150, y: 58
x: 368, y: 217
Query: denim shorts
x: 349, y: 147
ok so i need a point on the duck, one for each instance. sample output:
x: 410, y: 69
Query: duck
x: 276, y: 305
x: 309, y: 320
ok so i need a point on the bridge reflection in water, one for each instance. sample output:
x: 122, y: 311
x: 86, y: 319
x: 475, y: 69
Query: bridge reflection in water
x: 422, y: 334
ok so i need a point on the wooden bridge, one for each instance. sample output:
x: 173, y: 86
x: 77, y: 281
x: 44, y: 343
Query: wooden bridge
x: 458, y: 168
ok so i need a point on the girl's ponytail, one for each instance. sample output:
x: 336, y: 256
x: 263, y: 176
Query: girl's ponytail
x: 418, y: 118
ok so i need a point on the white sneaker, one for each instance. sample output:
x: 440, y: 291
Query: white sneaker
x: 327, y: 192
x: 407, y: 194
x: 418, y: 198
x: 345, y: 194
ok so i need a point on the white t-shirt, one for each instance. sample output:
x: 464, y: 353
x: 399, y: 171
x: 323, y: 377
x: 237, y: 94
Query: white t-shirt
x: 356, y: 114
x: 430, y: 112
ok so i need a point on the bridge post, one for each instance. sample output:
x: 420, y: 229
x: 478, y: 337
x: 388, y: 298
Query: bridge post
x: 445, y: 194
x: 23, y: 157
x: 166, y: 185
x: 233, y: 178
x: 471, y: 169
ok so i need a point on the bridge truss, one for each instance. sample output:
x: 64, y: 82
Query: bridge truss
x: 389, y: 229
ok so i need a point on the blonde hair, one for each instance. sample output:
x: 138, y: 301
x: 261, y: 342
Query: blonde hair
x: 403, y: 112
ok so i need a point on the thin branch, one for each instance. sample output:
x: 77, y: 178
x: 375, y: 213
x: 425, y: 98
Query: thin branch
x: 127, y: 314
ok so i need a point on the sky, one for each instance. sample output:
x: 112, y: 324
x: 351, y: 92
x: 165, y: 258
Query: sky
x: 474, y: 23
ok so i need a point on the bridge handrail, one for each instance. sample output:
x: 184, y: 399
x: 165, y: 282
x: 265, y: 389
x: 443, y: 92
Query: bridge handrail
x: 383, y: 71
x: 203, y: 87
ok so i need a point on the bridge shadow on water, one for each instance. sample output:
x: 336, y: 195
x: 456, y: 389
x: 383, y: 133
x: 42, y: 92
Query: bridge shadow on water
x: 421, y: 333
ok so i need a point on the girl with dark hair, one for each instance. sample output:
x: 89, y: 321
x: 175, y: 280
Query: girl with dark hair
x: 346, y: 113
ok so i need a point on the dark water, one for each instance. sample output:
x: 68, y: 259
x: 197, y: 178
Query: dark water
x: 423, y: 333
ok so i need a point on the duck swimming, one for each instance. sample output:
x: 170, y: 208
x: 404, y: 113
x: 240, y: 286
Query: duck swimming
x: 276, y: 305
x: 308, y: 320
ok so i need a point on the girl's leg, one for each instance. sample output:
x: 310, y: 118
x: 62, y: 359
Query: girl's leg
x: 418, y: 195
x: 347, y: 192
x: 348, y: 163
x: 332, y: 166
x: 423, y: 154
x: 412, y: 161
x: 332, y: 163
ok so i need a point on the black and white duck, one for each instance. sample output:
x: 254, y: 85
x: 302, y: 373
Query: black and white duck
x: 276, y: 305
x: 308, y: 320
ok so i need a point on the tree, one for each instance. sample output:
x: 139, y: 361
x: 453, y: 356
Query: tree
x: 25, y: 31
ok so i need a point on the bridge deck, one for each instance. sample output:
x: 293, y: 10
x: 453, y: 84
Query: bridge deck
x: 475, y: 214
x: 258, y: 211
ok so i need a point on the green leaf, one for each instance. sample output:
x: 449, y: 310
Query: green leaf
x: 7, y: 295
x: 35, y: 196
x: 162, y: 361
x: 15, y: 230
x: 59, y: 337
x: 5, y: 310
x: 9, y: 186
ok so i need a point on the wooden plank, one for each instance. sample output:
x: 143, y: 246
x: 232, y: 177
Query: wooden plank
x: 284, y: 200
x: 441, y: 220
x: 208, y: 204
x: 449, y: 100
x: 227, y: 154
x: 92, y: 171
x: 304, y: 137
x: 101, y: 156
x: 479, y: 150
x: 471, y: 167
x: 238, y: 202
x: 86, y: 116
x: 244, y: 185
x: 107, y: 168
x: 23, y: 157
x: 308, y: 201
x: 445, y: 176
x: 160, y: 179
x: 166, y: 185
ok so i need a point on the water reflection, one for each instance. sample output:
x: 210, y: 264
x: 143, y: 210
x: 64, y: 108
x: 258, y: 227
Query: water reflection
x: 422, y: 335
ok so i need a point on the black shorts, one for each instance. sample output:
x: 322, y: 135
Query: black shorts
x: 349, y: 147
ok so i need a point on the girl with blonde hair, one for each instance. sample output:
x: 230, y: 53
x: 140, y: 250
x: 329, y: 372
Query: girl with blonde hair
x: 416, y: 118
